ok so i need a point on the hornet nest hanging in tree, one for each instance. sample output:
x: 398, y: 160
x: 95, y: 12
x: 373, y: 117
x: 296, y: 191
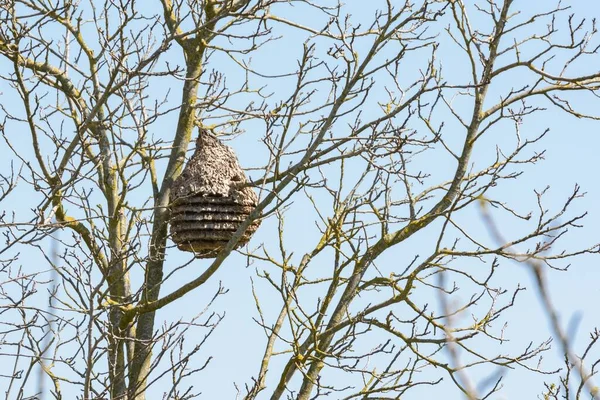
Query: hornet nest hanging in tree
x: 209, y: 201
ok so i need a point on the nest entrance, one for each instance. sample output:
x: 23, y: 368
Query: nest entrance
x: 207, y: 204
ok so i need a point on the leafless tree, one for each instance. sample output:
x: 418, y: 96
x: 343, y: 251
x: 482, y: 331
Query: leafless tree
x: 390, y: 126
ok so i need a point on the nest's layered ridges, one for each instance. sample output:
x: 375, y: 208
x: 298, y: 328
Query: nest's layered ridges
x: 203, y: 248
x: 208, y: 234
x: 208, y: 205
x: 204, y: 216
x: 211, y: 208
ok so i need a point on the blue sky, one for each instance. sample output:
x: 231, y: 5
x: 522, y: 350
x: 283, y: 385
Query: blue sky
x: 570, y: 159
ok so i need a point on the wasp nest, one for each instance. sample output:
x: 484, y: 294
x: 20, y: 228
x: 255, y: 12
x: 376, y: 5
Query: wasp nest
x: 209, y: 201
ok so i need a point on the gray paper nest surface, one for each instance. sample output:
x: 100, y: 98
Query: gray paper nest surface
x: 207, y: 203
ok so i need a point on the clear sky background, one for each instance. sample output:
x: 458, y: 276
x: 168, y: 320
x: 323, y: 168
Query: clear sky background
x: 571, y: 157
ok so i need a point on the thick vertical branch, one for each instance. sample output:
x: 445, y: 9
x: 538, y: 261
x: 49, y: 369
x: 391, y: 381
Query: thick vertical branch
x: 154, y: 268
